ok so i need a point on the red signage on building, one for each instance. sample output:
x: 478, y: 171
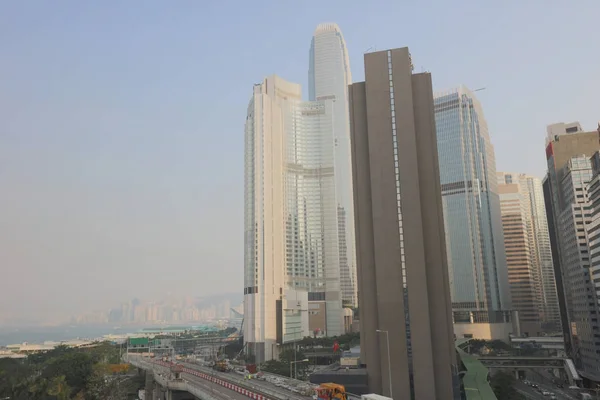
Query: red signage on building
x: 549, y: 150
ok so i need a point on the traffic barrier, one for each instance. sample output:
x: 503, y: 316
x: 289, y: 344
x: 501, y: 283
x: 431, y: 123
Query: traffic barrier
x: 221, y: 382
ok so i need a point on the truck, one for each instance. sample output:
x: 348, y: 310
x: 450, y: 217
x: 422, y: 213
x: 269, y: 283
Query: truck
x: 331, y: 391
x: 373, y: 396
x: 221, y: 366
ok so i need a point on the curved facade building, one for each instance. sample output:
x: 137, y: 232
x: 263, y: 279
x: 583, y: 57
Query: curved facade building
x: 472, y: 219
x: 267, y: 122
x: 328, y: 79
x: 292, y: 219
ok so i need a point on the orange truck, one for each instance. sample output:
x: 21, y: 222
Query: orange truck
x: 331, y: 391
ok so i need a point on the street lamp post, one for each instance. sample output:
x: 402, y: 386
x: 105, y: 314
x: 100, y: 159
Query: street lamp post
x: 296, y: 362
x: 387, y: 339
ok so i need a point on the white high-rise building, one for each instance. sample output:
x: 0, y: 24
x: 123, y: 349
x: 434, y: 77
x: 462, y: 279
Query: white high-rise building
x: 328, y: 79
x: 299, y: 213
x: 291, y: 217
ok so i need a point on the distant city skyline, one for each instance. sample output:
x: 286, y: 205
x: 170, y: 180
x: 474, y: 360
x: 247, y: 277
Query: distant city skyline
x: 106, y: 314
x: 174, y: 310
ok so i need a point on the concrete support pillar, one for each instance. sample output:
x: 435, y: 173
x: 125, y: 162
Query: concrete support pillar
x: 149, y: 386
x: 556, y: 373
x: 516, y: 374
x: 169, y: 394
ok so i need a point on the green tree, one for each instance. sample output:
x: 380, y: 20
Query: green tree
x: 14, y: 379
x: 293, y: 363
x: 66, y: 373
x: 285, y: 366
x: 276, y: 367
x: 58, y: 387
x: 76, y: 367
x: 102, y: 385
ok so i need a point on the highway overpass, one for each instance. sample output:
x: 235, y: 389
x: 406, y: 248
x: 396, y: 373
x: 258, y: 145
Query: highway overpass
x: 207, y: 384
x: 522, y: 362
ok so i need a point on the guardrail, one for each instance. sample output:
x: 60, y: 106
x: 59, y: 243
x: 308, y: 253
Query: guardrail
x: 259, y: 386
x: 218, y: 381
x: 244, y: 391
x: 183, y: 385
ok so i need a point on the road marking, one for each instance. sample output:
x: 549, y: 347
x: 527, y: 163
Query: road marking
x: 528, y: 395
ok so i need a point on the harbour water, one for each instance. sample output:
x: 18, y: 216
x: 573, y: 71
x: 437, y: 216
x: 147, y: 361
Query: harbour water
x: 60, y: 333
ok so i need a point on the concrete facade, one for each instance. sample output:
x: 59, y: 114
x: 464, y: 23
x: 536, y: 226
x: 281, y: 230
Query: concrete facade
x: 401, y: 253
x: 569, y: 211
x: 526, y: 226
x: 524, y: 275
x: 292, y: 216
x: 485, y: 331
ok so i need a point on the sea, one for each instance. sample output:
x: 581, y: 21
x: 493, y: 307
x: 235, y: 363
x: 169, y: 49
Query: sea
x: 59, y: 333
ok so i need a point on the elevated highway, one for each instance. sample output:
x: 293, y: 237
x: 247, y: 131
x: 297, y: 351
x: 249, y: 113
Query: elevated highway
x: 208, y: 384
x: 522, y: 362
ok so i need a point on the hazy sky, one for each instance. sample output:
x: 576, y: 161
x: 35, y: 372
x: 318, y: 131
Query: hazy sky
x: 121, y: 123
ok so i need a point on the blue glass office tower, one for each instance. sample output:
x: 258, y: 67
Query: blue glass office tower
x: 472, y: 219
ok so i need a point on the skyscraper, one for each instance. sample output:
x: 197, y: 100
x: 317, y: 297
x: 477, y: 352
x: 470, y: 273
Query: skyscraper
x: 403, y: 274
x: 567, y: 190
x: 292, y: 217
x: 265, y: 218
x: 528, y: 253
x: 328, y: 79
x: 541, y: 250
x: 474, y: 237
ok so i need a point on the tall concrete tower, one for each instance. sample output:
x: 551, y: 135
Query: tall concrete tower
x: 406, y: 322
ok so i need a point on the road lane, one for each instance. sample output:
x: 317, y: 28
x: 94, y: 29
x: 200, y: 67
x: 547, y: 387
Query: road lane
x: 213, y: 388
x: 253, y: 384
x: 527, y: 391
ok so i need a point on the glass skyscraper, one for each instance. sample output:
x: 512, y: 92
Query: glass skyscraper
x: 473, y: 224
x: 328, y: 79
